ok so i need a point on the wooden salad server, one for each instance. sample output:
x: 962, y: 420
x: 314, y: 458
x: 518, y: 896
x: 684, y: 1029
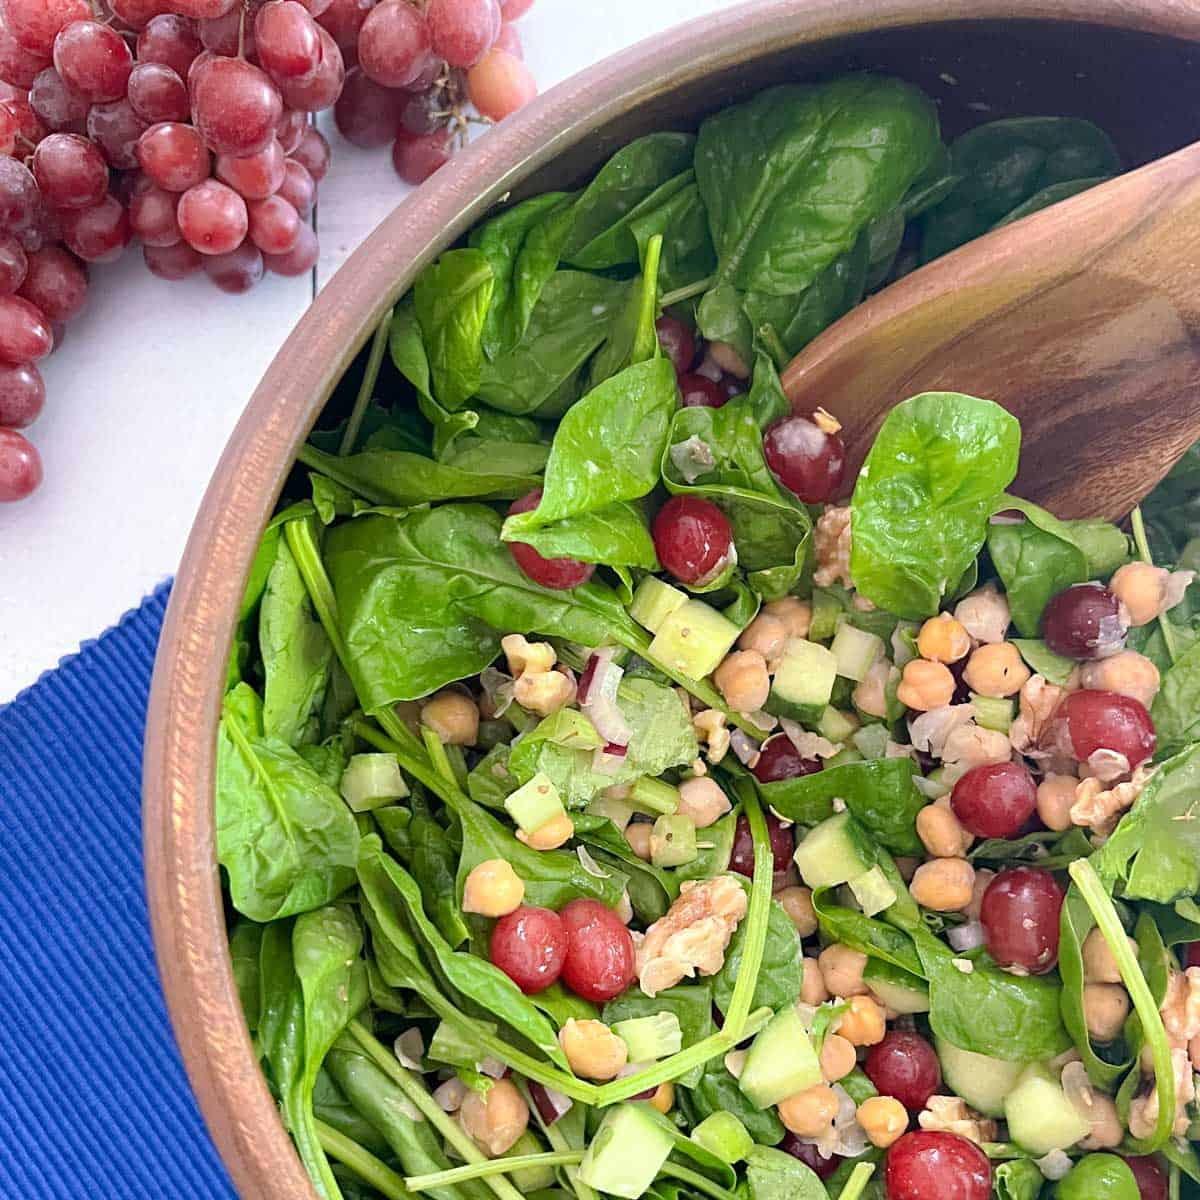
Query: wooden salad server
x: 1083, y: 320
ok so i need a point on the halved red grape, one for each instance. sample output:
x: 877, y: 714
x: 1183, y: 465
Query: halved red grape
x: 56, y: 283
x: 22, y: 395
x: 173, y: 155
x: 779, y: 759
x: 235, y: 272
x: 93, y: 60
x: 693, y: 539
x: 172, y: 40
x: 212, y: 217
x: 1083, y: 622
x: 1019, y: 913
x: 929, y: 1163
x: 530, y: 947
x: 235, y: 106
x: 600, y: 955
x: 20, y: 466
x: 698, y: 391
x: 783, y: 845
x: 172, y: 262
x: 904, y: 1065
x: 995, y: 800
x: 500, y: 84
x: 557, y: 573
x: 394, y: 43
x: 157, y: 93
x: 805, y: 459
x: 1098, y: 720
x: 416, y: 158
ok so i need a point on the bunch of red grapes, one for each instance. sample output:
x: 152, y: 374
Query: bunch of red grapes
x: 186, y: 124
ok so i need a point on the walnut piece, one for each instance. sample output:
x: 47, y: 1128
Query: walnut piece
x: 710, y: 730
x: 1039, y: 701
x: 950, y: 1114
x: 694, y: 934
x: 1143, y: 1111
x: 1100, y: 808
x: 831, y: 539
x: 1181, y: 1007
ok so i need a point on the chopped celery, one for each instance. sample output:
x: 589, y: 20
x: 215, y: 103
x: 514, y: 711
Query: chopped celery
x: 992, y: 713
x: 534, y: 804
x: 650, y: 1038
x: 673, y: 841
x: 855, y: 650
x: 372, y: 781
x: 654, y: 796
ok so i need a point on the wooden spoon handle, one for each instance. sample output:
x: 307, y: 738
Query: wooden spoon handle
x: 1083, y: 320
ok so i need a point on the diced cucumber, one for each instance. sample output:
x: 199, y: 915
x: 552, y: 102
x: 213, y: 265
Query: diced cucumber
x: 693, y: 639
x: 900, y: 991
x: 654, y: 601
x: 371, y: 781
x: 654, y: 796
x: 834, y: 852
x: 939, y: 778
x: 873, y: 891
x: 673, y: 841
x: 627, y: 1151
x: 781, y: 1061
x: 992, y: 713
x: 842, y: 757
x: 982, y: 1081
x: 803, y: 681
x: 571, y: 729
x: 855, y: 650
x: 617, y: 811
x: 650, y: 1038
x: 529, y: 1179
x: 835, y: 725
x: 825, y: 614
x: 722, y: 1134
x: 1039, y: 1115
x: 534, y: 803
x: 871, y: 740
x: 449, y: 1045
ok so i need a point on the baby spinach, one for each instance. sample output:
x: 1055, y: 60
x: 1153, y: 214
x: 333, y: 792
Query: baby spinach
x: 1051, y: 194
x: 1018, y: 1179
x: 692, y: 1004
x: 615, y: 535
x: 489, y: 780
x: 929, y: 483
x: 777, y: 1175
x: 781, y: 972
x: 651, y: 888
x: 718, y: 1091
x: 1176, y: 708
x: 245, y: 952
x: 633, y: 337
x: 284, y: 836
x: 331, y: 1107
x: 260, y: 571
x: 434, y: 865
x: 1154, y: 854
x: 876, y: 939
x: 1044, y: 848
x: 680, y: 219
x: 1040, y: 659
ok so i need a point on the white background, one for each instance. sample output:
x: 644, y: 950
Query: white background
x: 151, y: 378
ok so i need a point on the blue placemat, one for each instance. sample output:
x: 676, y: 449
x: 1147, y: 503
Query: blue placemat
x: 93, y: 1099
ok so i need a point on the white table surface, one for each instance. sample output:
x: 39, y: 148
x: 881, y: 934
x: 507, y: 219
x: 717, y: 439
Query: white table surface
x: 151, y: 378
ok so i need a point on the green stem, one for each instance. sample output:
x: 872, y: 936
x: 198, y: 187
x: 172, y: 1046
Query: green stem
x: 1109, y: 924
x: 414, y: 1088
x: 857, y: 1183
x: 302, y: 542
x: 367, y: 387
x: 700, y: 1183
x: 758, y: 912
x: 558, y: 1141
x: 437, y: 756
x: 645, y: 343
x: 1175, y: 1183
x: 686, y: 292
x: 362, y: 1162
x: 769, y: 336
x: 1143, y: 548
x: 493, y: 1166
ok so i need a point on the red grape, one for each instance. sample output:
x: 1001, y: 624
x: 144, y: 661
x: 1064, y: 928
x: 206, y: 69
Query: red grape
x: 171, y: 40
x: 115, y: 128
x: 29, y: 125
x: 200, y: 65
x: 530, y: 946
x: 416, y: 158
x: 212, y: 217
x: 157, y: 93
x: 994, y: 800
x: 600, y: 954
x: 232, y: 34
x: 45, y: 229
x: 203, y: 10
x: 783, y: 845
x: 693, y: 539
x: 928, y: 1163
x: 557, y: 573
x: 298, y: 188
x: 22, y: 395
x: 698, y: 391
x: 235, y: 106
x: 14, y: 264
x: 344, y: 19
x: 288, y: 40
x: 93, y: 60
x: 393, y: 43
x: 173, y: 155
x: 274, y: 225
x: 256, y: 176
x: 25, y: 334
x: 1191, y: 954
x: 313, y: 153
x: 1099, y: 720
x: 57, y: 283
x: 462, y: 31
x: 8, y: 131
x: 20, y: 466
x: 905, y: 1066
x: 422, y: 112
x: 321, y: 90
x: 779, y: 759
x: 97, y: 234
x: 1083, y: 622
x: 432, y: 69
x: 57, y: 106
x: 1019, y: 914
x: 136, y: 14
x: 509, y: 40
x: 810, y: 1156
x: 299, y: 260
x: 367, y: 114
x: 290, y: 129
x: 512, y: 10
x: 235, y: 272
x: 17, y: 64
x: 316, y: 7
x: 35, y: 23
x: 172, y: 262
x: 152, y: 216
x: 20, y: 202
x: 1150, y: 1177
x: 805, y: 459
x: 678, y: 342
x: 499, y: 84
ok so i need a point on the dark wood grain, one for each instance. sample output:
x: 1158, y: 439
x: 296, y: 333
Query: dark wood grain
x: 1083, y: 320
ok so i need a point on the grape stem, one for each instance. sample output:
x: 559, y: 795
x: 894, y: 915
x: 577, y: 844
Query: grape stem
x: 367, y: 387
x: 1143, y: 549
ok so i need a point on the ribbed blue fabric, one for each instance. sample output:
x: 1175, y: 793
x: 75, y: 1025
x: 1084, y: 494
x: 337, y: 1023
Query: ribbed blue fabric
x: 93, y: 1099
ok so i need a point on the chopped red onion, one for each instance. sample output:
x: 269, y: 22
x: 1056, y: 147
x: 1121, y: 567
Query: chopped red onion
x: 965, y: 937
x: 499, y: 689
x: 450, y: 1094
x: 744, y: 747
x: 607, y: 759
x: 599, y: 698
x: 550, y: 1104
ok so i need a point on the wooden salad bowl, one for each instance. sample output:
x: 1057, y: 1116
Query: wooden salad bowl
x: 1130, y: 65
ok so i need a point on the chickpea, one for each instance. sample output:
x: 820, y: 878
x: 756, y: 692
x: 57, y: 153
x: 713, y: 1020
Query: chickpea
x: 982, y: 878
x: 1127, y: 673
x: 864, y: 1024
x: 812, y: 986
x: 493, y: 889
x: 941, y: 832
x: 638, y: 837
x: 1055, y: 798
x: 1142, y: 589
x: 535, y: 657
x: 944, y: 885
x: 870, y: 693
x: 797, y: 903
x: 703, y: 800
x: 943, y: 639
x: 544, y: 693
x: 728, y: 359
x: 592, y: 1049
x: 549, y: 836
x: 837, y: 1058
x: 664, y: 1097
x: 984, y: 614
x: 809, y: 1113
x: 883, y: 1119
x: 842, y: 970
x: 743, y: 680
x: 766, y: 634
x: 1194, y: 1052
x: 996, y: 670
x: 496, y: 1121
x: 453, y: 717
x: 1107, y: 1130
x: 796, y: 615
x: 1105, y: 1007
x: 925, y: 685
x: 1099, y: 964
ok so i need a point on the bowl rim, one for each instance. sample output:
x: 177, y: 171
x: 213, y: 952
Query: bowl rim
x: 182, y: 882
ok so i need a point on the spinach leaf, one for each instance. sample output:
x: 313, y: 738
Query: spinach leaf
x: 245, y: 952
x: 782, y: 970
x: 490, y: 781
x: 651, y: 888
x: 692, y: 1004
x: 434, y: 865
x: 1049, y: 195
x: 285, y: 837
x: 1043, y: 555
x: 1155, y: 850
x: 1017, y: 1179
x: 633, y: 337
x: 880, y: 793
x: 1172, y: 510
x: 677, y: 216
x: 718, y: 1091
x: 615, y: 535
x: 1176, y: 708
x: 1003, y: 164
x: 876, y: 939
x: 295, y: 655
x: 924, y: 494
x: 260, y: 571
x: 1040, y: 659
x: 1044, y: 848
x: 331, y: 1107
x: 452, y: 298
x: 560, y: 1005
x: 776, y: 1175
x: 383, y: 570
x: 662, y: 738
x: 607, y: 447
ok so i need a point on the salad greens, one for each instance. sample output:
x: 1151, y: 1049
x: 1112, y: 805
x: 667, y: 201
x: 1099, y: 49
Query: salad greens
x: 578, y: 885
